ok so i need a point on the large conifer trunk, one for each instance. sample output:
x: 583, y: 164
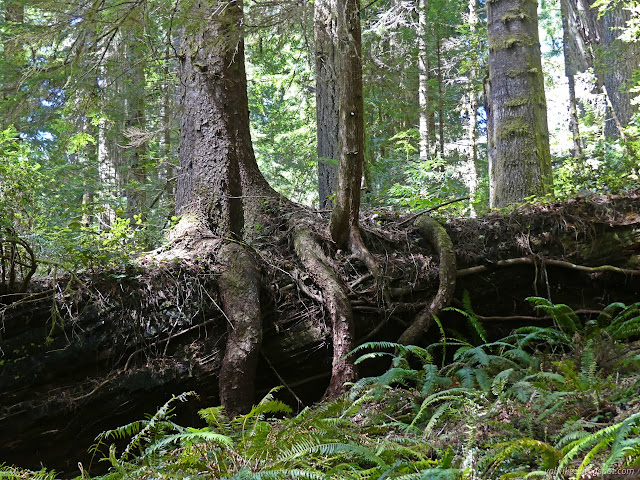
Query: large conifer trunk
x: 518, y: 131
x: 217, y: 172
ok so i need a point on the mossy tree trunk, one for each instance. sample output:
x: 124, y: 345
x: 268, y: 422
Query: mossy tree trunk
x: 519, y: 132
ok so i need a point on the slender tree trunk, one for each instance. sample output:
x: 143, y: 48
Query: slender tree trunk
x: 472, y: 108
x: 519, y: 132
x: 440, y: 93
x: 491, y: 148
x: 423, y: 80
x: 135, y: 91
x: 327, y: 74
x: 167, y: 123
x: 570, y: 74
x: 346, y: 212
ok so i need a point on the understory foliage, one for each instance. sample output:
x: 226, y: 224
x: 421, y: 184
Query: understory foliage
x: 543, y: 402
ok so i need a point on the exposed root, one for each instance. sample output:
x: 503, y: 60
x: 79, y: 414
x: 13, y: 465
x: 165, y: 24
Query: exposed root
x: 239, y: 285
x: 336, y: 301
x: 437, y: 235
x: 360, y: 251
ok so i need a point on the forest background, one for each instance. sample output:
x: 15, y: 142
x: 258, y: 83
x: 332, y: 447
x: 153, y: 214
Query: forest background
x: 92, y: 92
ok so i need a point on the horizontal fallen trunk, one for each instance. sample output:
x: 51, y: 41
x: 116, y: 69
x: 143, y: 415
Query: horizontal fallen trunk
x: 82, y: 356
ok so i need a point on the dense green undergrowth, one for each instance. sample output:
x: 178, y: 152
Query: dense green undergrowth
x: 556, y: 402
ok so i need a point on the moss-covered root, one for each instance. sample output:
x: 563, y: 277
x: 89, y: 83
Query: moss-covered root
x: 336, y: 301
x: 439, y: 238
x: 239, y: 285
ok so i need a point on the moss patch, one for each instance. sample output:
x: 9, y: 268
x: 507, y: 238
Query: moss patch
x: 513, y: 40
x: 515, y: 127
x: 518, y: 101
x: 512, y: 15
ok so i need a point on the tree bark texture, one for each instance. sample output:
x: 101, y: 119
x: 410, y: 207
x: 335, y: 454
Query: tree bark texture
x: 345, y: 214
x: 441, y: 119
x: 596, y: 44
x: 620, y: 61
x: 240, y: 285
x: 472, y: 109
x: 570, y: 72
x: 327, y: 74
x: 219, y: 184
x: 519, y: 132
x: 423, y: 81
x: 214, y: 131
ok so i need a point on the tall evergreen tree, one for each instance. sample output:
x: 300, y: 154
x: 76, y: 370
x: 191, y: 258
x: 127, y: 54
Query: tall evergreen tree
x: 518, y: 131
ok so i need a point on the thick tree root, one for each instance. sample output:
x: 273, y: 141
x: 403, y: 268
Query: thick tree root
x: 239, y: 285
x: 439, y: 238
x: 336, y: 301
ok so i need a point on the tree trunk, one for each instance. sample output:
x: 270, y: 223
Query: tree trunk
x: 570, y: 72
x: 472, y: 109
x: 216, y: 173
x: 423, y: 81
x: 440, y: 93
x: 327, y: 74
x: 595, y: 38
x: 620, y: 61
x: 491, y: 149
x: 346, y: 212
x: 135, y: 176
x: 519, y: 132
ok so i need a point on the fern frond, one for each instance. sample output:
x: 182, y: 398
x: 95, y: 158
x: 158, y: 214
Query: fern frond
x: 369, y: 355
x: 439, y: 412
x: 548, y: 455
x: 598, y: 440
x: 609, y: 312
x: 188, y: 438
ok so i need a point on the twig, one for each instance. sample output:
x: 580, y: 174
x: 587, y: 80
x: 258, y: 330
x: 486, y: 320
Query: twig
x: 273, y: 369
x: 413, y: 217
x: 546, y: 261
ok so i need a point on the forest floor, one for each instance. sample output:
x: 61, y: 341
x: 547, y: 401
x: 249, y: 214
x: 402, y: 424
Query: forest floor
x: 93, y: 350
